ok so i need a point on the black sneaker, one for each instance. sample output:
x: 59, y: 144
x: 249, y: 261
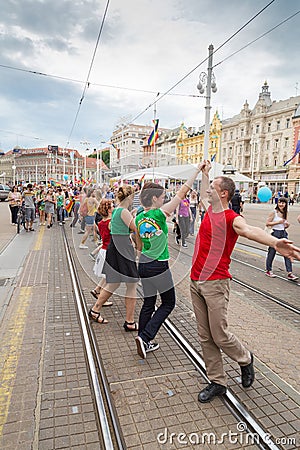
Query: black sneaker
x: 248, y: 374
x: 140, y: 347
x: 211, y: 391
x: 145, y: 347
x: 151, y: 346
x: 177, y: 240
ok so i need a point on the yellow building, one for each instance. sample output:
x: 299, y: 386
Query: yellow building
x: 190, y: 142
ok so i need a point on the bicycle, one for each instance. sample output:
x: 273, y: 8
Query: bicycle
x: 20, y: 218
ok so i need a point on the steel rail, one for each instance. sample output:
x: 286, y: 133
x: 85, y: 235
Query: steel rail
x: 263, y: 270
x: 268, y: 296
x: 253, y: 428
x: 95, y: 366
x: 265, y: 294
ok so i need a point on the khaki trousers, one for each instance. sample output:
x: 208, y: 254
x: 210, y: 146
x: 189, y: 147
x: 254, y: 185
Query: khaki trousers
x: 210, y: 302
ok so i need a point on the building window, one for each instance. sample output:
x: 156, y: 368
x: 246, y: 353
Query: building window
x: 267, y: 162
x: 275, y: 162
x: 257, y: 129
x: 278, y: 125
x: 231, y: 135
x: 276, y: 143
x: 288, y: 122
x: 133, y: 142
x: 268, y: 145
x: 286, y: 142
x: 242, y: 132
x: 269, y: 127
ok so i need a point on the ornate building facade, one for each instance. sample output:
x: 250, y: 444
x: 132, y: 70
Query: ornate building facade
x: 36, y: 165
x: 259, y: 141
x: 190, y: 143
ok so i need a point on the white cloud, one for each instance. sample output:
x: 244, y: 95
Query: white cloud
x: 146, y: 44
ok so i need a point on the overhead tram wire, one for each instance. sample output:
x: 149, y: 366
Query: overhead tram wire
x: 87, y: 83
x: 257, y: 39
x: 73, y: 80
x: 202, y: 62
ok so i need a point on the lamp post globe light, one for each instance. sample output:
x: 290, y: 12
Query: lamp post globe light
x: 207, y: 82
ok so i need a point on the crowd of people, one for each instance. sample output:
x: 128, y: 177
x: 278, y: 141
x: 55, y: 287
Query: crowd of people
x: 129, y: 225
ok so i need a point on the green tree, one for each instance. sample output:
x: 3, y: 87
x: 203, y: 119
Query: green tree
x: 105, y: 156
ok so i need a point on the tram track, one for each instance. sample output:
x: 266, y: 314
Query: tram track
x: 251, y: 426
x: 111, y: 434
x: 263, y: 293
x: 108, y: 421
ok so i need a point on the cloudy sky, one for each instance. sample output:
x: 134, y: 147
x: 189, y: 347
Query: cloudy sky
x: 145, y: 45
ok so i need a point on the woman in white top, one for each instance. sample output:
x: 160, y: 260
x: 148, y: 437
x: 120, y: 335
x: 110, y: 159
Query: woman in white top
x: 277, y: 220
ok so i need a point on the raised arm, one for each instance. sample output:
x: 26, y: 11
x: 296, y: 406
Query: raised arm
x: 169, y: 207
x: 284, y: 246
x: 205, y: 184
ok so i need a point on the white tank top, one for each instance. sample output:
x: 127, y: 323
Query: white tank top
x: 279, y: 226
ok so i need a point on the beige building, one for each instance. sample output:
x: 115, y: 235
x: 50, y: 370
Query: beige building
x: 126, y: 153
x: 257, y: 142
x: 36, y: 165
x: 163, y: 153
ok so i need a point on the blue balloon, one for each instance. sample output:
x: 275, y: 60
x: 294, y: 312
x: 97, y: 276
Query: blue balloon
x: 264, y: 194
x: 66, y: 177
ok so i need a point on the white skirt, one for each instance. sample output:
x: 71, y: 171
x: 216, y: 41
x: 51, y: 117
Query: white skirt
x: 98, y: 266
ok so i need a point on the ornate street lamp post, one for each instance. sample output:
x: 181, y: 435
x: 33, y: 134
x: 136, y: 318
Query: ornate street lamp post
x: 207, y: 81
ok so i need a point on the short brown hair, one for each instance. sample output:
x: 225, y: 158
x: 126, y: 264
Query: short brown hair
x: 227, y: 184
x: 149, y: 191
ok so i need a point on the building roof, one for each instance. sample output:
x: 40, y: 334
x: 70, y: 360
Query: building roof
x: 91, y: 163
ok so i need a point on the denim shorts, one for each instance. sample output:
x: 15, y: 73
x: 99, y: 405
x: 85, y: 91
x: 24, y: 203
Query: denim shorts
x: 89, y: 220
x: 29, y: 214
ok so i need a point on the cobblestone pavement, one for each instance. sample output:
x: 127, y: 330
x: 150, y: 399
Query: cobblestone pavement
x: 45, y: 395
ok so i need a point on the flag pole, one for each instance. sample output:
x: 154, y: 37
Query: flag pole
x: 154, y: 145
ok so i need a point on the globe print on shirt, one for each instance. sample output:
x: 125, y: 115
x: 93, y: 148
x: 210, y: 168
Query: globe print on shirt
x: 153, y: 231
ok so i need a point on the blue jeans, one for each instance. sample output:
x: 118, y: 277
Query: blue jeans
x: 156, y: 277
x: 184, y: 225
x: 192, y: 224
x: 60, y: 213
x: 272, y: 252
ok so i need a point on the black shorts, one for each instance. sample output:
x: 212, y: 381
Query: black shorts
x: 120, y: 265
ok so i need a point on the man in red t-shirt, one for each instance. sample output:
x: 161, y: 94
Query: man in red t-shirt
x: 210, y: 280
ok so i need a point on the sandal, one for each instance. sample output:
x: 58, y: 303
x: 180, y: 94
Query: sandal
x: 108, y: 303
x: 95, y: 293
x: 126, y: 328
x: 97, y: 318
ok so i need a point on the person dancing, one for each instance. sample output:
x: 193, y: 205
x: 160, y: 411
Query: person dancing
x: 120, y: 261
x: 153, y: 264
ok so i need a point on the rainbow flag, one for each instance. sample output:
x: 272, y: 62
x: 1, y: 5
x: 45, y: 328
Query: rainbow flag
x: 69, y: 205
x: 295, y: 154
x: 154, y: 135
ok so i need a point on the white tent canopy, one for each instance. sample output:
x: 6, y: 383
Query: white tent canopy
x: 182, y: 172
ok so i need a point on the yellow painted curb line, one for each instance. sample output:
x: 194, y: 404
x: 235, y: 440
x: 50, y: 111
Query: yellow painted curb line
x: 38, y: 244
x: 10, y: 353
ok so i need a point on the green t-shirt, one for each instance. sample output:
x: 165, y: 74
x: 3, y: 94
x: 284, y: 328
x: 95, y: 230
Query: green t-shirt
x: 117, y: 226
x: 59, y: 200
x: 153, y: 230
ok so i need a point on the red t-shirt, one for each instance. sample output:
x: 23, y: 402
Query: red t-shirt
x: 214, y: 244
x: 104, y: 233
